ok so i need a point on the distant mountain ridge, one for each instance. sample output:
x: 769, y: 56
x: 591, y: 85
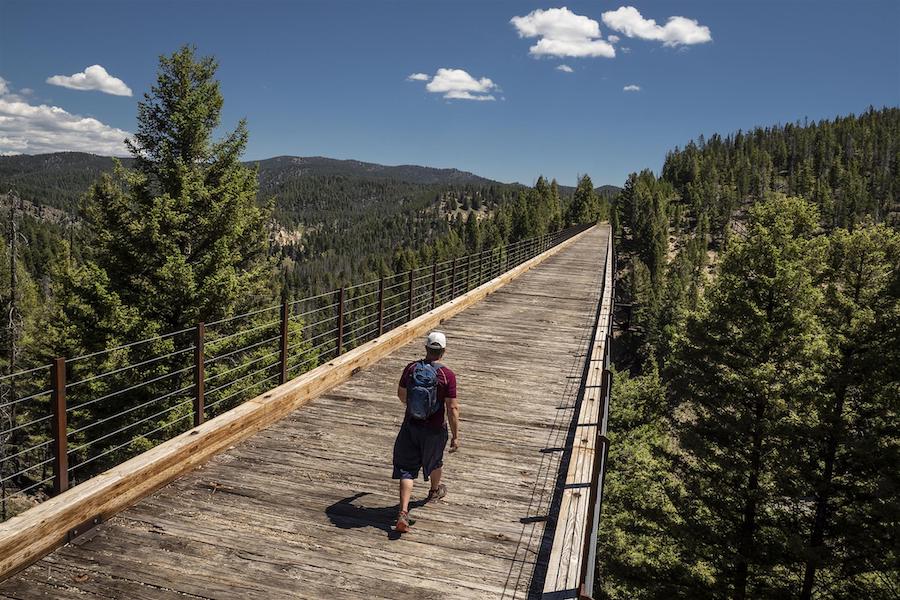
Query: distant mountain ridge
x: 58, y: 179
x: 323, y: 166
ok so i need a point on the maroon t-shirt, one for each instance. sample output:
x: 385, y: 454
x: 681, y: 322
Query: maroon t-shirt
x: 446, y: 388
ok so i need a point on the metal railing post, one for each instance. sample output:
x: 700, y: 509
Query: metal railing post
x: 434, y: 284
x: 481, y: 257
x: 453, y: 280
x: 199, y: 373
x: 285, y: 318
x: 340, y: 322
x: 59, y: 425
x: 381, y: 306
x: 468, y: 272
x: 409, y: 307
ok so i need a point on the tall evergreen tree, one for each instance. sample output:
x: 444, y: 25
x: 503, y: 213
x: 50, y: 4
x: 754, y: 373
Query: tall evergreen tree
x: 177, y: 240
x: 749, y: 360
x: 556, y: 217
x: 182, y: 237
x: 856, y: 451
x: 584, y: 207
x: 640, y: 551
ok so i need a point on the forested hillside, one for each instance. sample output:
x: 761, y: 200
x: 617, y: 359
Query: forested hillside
x: 336, y: 228
x: 61, y: 179
x: 332, y: 221
x: 753, y: 449
x: 58, y: 180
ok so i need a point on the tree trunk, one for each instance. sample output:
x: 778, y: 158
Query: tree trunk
x: 823, y: 496
x: 748, y: 526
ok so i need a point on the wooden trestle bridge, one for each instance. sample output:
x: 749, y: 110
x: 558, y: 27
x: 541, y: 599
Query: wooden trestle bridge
x: 288, y: 495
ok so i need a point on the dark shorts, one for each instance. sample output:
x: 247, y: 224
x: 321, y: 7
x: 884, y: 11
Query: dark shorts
x: 418, y: 447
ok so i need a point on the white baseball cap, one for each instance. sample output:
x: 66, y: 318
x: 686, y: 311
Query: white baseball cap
x: 436, y: 340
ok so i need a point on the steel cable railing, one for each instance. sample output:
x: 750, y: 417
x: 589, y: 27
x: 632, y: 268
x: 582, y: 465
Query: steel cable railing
x: 106, y: 406
x: 26, y: 457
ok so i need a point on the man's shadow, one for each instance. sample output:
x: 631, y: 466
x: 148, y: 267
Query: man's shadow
x: 347, y: 515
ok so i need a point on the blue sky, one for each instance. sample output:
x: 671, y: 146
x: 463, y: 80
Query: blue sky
x: 330, y: 78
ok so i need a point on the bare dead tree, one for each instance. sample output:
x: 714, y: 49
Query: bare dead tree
x: 13, y: 331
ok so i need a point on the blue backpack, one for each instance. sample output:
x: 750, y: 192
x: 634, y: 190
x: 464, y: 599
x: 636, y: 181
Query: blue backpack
x: 421, y: 391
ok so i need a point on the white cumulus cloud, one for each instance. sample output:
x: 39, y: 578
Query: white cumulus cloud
x: 677, y: 30
x: 565, y: 69
x: 631, y: 88
x: 35, y: 129
x: 562, y: 33
x: 94, y: 77
x: 457, y: 84
x: 613, y: 39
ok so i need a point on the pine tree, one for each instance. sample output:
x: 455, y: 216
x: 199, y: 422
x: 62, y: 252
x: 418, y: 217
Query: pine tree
x: 177, y: 240
x: 584, y: 207
x: 556, y: 219
x: 752, y: 357
x: 856, y: 484
x: 196, y: 243
x: 640, y: 551
x: 473, y: 233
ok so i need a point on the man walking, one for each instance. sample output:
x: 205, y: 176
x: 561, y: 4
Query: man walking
x: 428, y: 391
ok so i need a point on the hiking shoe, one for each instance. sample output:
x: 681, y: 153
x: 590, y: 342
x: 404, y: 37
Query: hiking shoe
x: 437, y: 494
x: 403, y: 523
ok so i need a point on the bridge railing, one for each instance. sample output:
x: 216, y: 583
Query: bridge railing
x: 64, y: 422
x: 589, y: 563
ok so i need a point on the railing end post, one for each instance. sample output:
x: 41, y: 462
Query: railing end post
x: 285, y: 323
x: 59, y: 426
x: 409, y: 308
x: 199, y: 373
x: 339, y: 347
x: 434, y: 283
x: 381, y: 306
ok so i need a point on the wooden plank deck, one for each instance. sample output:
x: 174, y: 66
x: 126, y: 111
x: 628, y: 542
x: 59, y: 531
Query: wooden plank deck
x: 303, y: 509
